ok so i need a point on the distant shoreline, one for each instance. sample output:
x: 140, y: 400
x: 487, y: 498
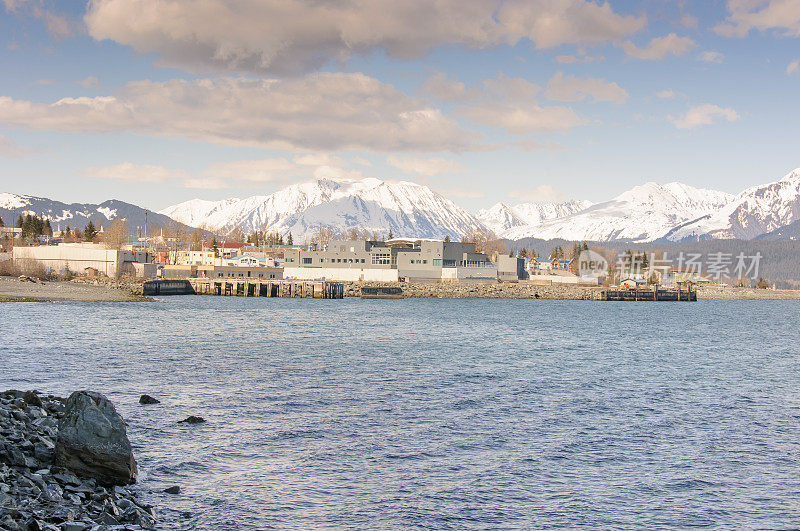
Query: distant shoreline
x: 108, y: 290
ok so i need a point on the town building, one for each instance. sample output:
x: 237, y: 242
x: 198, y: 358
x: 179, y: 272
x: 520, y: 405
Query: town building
x: 393, y: 260
x: 78, y: 256
x: 176, y: 271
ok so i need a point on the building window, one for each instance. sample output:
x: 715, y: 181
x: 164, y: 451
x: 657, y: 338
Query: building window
x: 437, y: 261
x: 306, y: 260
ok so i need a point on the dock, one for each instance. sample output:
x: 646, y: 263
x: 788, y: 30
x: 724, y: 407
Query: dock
x: 314, y: 289
x: 654, y: 294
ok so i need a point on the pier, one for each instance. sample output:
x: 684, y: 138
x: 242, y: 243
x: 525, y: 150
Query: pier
x: 315, y: 289
x: 654, y: 294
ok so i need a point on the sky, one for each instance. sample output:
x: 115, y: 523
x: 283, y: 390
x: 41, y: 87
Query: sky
x: 155, y: 102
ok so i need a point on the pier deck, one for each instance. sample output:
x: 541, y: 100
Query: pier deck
x: 649, y: 295
x: 316, y: 289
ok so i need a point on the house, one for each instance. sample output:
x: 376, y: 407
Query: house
x: 633, y: 283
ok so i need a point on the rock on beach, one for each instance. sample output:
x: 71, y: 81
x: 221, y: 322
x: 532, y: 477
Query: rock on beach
x: 37, y: 493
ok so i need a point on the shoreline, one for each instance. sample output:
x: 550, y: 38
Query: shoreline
x: 111, y: 290
x: 79, y: 290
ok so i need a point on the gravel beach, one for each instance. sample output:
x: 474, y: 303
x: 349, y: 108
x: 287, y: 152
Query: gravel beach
x: 12, y: 289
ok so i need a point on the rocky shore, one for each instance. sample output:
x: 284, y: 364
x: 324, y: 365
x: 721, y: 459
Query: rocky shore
x: 12, y: 289
x: 65, y: 464
x: 481, y: 290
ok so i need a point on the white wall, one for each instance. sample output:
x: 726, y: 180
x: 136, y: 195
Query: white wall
x: 78, y: 257
x: 341, y: 273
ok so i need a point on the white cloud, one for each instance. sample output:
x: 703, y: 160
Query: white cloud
x: 793, y: 68
x: 89, y: 83
x: 205, y: 183
x: 762, y: 15
x: 570, y: 88
x: 509, y: 103
x: 544, y: 193
x: 666, y: 94
x: 134, y: 173
x: 260, y: 171
x: 297, y: 36
x: 711, y: 57
x: 441, y: 87
x: 704, y: 115
x: 361, y: 161
x: 320, y: 112
x: 660, y: 47
x: 424, y: 166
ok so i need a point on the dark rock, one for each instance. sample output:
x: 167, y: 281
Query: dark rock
x: 192, y: 420
x: 32, y: 399
x: 173, y: 490
x: 147, y: 399
x: 92, y: 440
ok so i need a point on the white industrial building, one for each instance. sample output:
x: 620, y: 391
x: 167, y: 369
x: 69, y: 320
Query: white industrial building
x: 77, y: 257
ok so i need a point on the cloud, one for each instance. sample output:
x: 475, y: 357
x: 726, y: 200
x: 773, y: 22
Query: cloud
x: 424, y: 166
x: 260, y: 171
x: 44, y: 82
x: 58, y: 26
x: 689, y: 21
x: 361, y: 161
x: 337, y: 174
x: 783, y: 16
x: 704, y: 115
x: 659, y: 48
x: 205, y: 183
x: 89, y: 83
x: 297, y: 36
x: 504, y: 102
x: 441, y: 87
x: 581, y: 56
x: 319, y: 159
x: 544, y: 193
x: 320, y: 112
x: 134, y: 173
x: 666, y: 94
x: 10, y: 149
x: 793, y: 68
x: 570, y: 88
x: 711, y: 57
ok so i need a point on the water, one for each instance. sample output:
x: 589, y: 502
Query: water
x: 438, y: 413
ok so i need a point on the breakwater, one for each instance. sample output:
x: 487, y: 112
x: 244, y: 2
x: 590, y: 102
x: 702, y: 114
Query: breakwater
x: 480, y: 290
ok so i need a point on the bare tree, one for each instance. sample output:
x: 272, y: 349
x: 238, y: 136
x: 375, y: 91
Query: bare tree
x: 487, y: 243
x: 322, y: 238
x: 117, y: 234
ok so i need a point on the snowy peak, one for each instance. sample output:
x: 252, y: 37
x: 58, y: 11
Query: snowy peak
x: 756, y: 211
x: 643, y: 213
x: 402, y: 207
x: 502, y: 218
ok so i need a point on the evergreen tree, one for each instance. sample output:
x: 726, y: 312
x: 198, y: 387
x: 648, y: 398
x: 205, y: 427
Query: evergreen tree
x: 67, y: 233
x: 1, y: 223
x: 89, y: 232
x: 391, y: 234
x: 48, y: 230
x: 289, y: 240
x: 447, y: 238
x: 214, y: 246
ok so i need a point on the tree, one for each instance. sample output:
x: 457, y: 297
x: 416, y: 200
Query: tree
x: 48, y: 230
x: 215, y: 247
x: 66, y: 233
x: 289, y: 240
x: 197, y: 240
x: 89, y: 232
x: 447, y: 238
x: 391, y: 234
x: 353, y: 234
x: 117, y: 234
x: 762, y: 283
x: 487, y: 243
x: 321, y: 239
x: 1, y: 223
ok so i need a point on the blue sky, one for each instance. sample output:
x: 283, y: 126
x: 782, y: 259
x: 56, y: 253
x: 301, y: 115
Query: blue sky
x: 158, y: 102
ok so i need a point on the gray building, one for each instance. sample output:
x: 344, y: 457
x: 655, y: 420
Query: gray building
x: 392, y: 260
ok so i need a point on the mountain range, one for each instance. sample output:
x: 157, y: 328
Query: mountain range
x: 672, y: 212
x: 78, y: 215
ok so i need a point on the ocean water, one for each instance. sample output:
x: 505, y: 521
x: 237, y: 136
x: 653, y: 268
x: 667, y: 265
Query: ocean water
x: 442, y: 414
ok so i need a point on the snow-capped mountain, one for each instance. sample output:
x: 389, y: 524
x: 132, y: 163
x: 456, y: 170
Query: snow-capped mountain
x: 501, y: 218
x: 755, y: 211
x: 644, y: 213
x: 77, y: 215
x: 405, y: 208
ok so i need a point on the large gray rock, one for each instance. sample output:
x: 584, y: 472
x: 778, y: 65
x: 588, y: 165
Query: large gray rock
x: 92, y: 441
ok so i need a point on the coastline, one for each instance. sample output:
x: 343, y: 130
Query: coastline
x: 83, y: 290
